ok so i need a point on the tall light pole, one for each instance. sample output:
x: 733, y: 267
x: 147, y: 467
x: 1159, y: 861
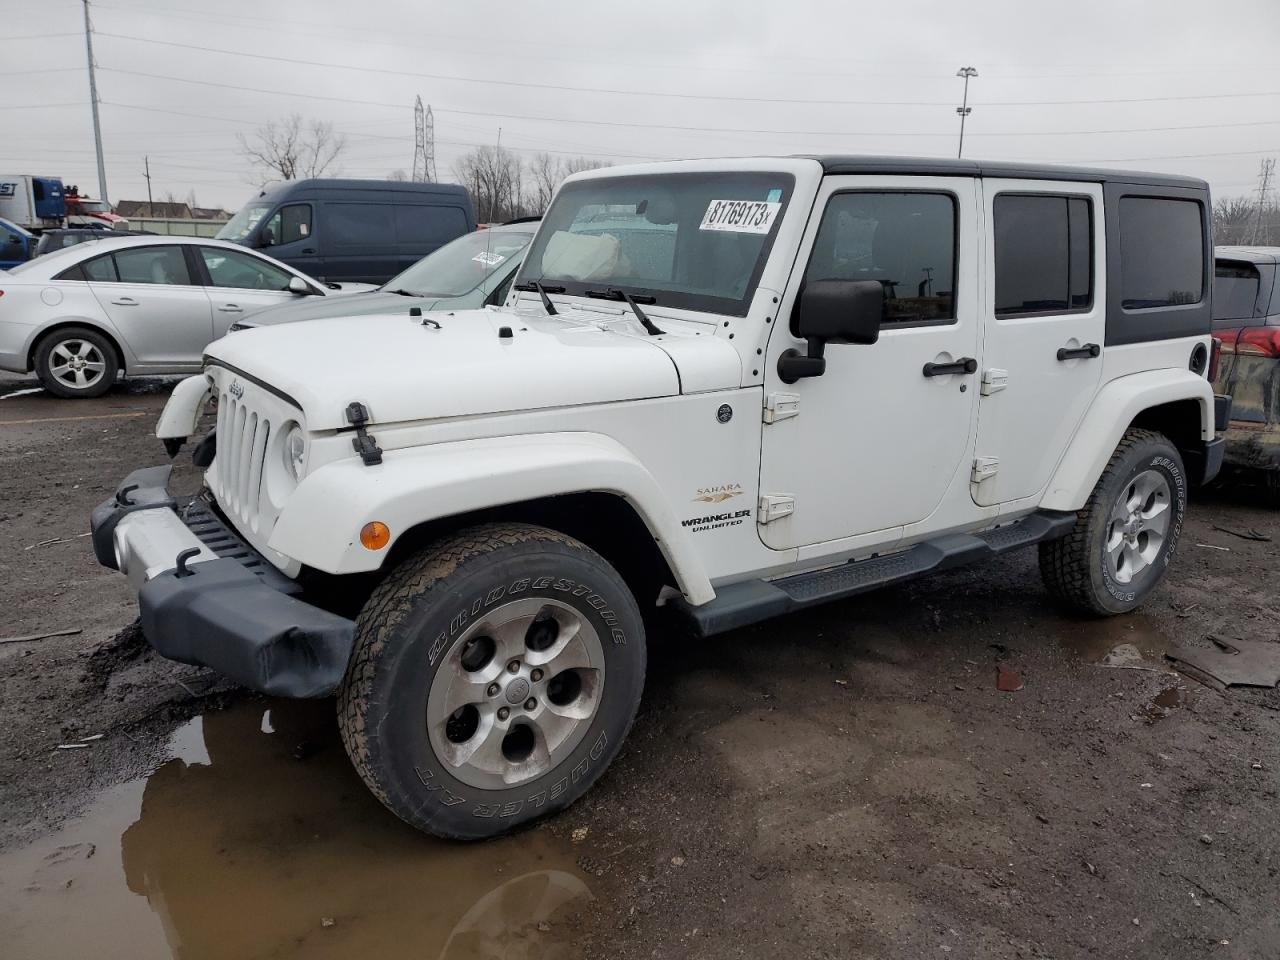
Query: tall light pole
x: 964, y: 109
x: 93, y: 100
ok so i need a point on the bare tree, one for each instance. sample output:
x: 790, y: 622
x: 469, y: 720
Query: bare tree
x: 191, y: 198
x: 397, y: 175
x: 546, y: 173
x: 291, y: 149
x: 1233, y: 219
x: 494, y: 176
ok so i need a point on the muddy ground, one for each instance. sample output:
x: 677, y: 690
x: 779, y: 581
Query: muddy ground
x: 843, y: 783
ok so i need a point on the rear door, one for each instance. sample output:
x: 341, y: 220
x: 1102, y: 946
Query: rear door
x: 1044, y: 324
x: 152, y: 300
x: 358, y: 241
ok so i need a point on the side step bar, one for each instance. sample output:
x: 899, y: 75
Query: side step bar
x: 741, y: 604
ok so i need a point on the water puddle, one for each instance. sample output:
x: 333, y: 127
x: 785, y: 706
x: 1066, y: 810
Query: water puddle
x: 1162, y: 704
x: 1132, y: 641
x: 258, y: 840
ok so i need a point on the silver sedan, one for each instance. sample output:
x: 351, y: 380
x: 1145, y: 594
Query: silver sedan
x: 82, y: 316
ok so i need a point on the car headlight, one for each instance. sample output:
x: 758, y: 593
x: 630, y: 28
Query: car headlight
x: 295, y: 451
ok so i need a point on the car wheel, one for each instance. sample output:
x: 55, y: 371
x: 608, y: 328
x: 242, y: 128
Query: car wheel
x: 494, y: 677
x: 1124, y: 538
x: 76, y: 362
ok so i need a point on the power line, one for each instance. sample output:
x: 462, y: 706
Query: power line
x: 454, y: 78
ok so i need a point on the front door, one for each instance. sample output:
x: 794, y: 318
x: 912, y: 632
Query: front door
x: 876, y: 442
x: 241, y: 284
x: 154, y: 303
x: 1044, y: 331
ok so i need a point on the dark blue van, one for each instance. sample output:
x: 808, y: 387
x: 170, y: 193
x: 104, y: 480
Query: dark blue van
x: 364, y: 231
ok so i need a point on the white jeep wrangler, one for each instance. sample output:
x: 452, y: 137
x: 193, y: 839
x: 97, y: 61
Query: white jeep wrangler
x: 721, y: 391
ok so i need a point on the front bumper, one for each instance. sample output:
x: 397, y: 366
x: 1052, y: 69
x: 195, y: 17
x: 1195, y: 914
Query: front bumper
x: 207, y: 598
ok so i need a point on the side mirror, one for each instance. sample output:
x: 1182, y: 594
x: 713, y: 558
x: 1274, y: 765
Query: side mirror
x: 832, y: 311
x: 266, y: 238
x: 300, y: 287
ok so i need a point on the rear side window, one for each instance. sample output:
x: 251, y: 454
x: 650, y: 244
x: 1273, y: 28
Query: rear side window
x: 359, y: 224
x: 907, y: 241
x: 1235, y: 290
x: 423, y: 224
x: 102, y: 269
x: 1161, y: 252
x: 1044, y: 254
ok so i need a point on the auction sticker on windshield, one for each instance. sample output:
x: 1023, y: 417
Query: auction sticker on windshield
x: 740, y: 216
x: 488, y: 259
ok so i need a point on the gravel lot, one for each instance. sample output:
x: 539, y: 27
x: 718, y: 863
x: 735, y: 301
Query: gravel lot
x: 843, y: 783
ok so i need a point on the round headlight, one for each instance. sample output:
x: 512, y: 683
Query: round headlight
x: 295, y: 451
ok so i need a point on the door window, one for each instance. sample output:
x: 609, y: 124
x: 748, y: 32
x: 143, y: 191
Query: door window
x: 1044, y: 254
x: 288, y: 224
x: 905, y: 240
x: 163, y: 265
x: 231, y: 268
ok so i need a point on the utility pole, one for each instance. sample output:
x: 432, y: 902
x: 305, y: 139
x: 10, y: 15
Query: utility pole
x: 1264, y: 185
x: 93, y: 101
x: 146, y: 162
x: 964, y: 109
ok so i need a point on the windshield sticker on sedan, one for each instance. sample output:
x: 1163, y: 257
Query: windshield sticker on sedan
x: 488, y: 259
x: 740, y: 216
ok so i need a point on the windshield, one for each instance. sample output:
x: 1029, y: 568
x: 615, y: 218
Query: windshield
x: 242, y: 224
x: 459, y: 267
x: 95, y: 206
x: 692, y: 240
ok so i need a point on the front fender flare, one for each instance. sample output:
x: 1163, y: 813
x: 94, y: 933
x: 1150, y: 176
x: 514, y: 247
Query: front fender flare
x: 184, y: 408
x: 1113, y: 409
x: 320, y: 523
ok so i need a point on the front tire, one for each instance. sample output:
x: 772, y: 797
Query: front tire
x: 494, y: 678
x: 1123, y: 539
x: 76, y: 363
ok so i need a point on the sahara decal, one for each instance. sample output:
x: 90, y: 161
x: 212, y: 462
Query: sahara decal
x: 718, y: 494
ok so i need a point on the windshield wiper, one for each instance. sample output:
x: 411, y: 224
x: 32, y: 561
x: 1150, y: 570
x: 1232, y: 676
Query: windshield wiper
x: 405, y: 293
x: 532, y: 286
x: 613, y: 293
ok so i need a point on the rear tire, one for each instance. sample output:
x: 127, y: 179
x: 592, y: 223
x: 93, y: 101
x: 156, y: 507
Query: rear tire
x: 494, y: 677
x: 1126, y: 534
x: 76, y: 363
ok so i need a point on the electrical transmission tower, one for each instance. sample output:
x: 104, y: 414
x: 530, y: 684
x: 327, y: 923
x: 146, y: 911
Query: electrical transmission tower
x: 1264, y: 186
x: 424, y: 147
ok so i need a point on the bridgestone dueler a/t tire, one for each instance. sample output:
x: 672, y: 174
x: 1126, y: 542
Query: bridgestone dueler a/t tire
x: 413, y: 619
x: 1074, y: 567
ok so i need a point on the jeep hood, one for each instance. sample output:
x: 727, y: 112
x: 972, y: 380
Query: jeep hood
x: 402, y: 369
x: 335, y: 304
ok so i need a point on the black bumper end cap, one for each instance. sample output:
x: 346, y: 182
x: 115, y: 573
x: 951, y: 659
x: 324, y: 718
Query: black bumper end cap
x: 143, y: 489
x: 222, y: 616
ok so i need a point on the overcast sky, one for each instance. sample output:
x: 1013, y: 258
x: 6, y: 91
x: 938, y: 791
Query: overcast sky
x: 1180, y: 86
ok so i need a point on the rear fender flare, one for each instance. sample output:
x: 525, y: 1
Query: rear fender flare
x: 1113, y: 409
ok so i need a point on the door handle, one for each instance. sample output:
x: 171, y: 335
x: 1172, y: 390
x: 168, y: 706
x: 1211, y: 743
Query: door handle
x: 230, y: 308
x: 963, y: 365
x: 1086, y: 352
x: 308, y: 249
x: 125, y: 301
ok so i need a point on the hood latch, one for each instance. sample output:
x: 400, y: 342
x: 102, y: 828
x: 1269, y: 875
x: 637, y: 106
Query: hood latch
x: 365, y: 445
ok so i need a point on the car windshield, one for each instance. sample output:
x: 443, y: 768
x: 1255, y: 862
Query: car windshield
x: 459, y: 267
x: 692, y: 240
x: 95, y: 206
x: 242, y: 224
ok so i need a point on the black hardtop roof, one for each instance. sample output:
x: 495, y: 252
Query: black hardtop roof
x: 944, y: 167
x: 360, y: 186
